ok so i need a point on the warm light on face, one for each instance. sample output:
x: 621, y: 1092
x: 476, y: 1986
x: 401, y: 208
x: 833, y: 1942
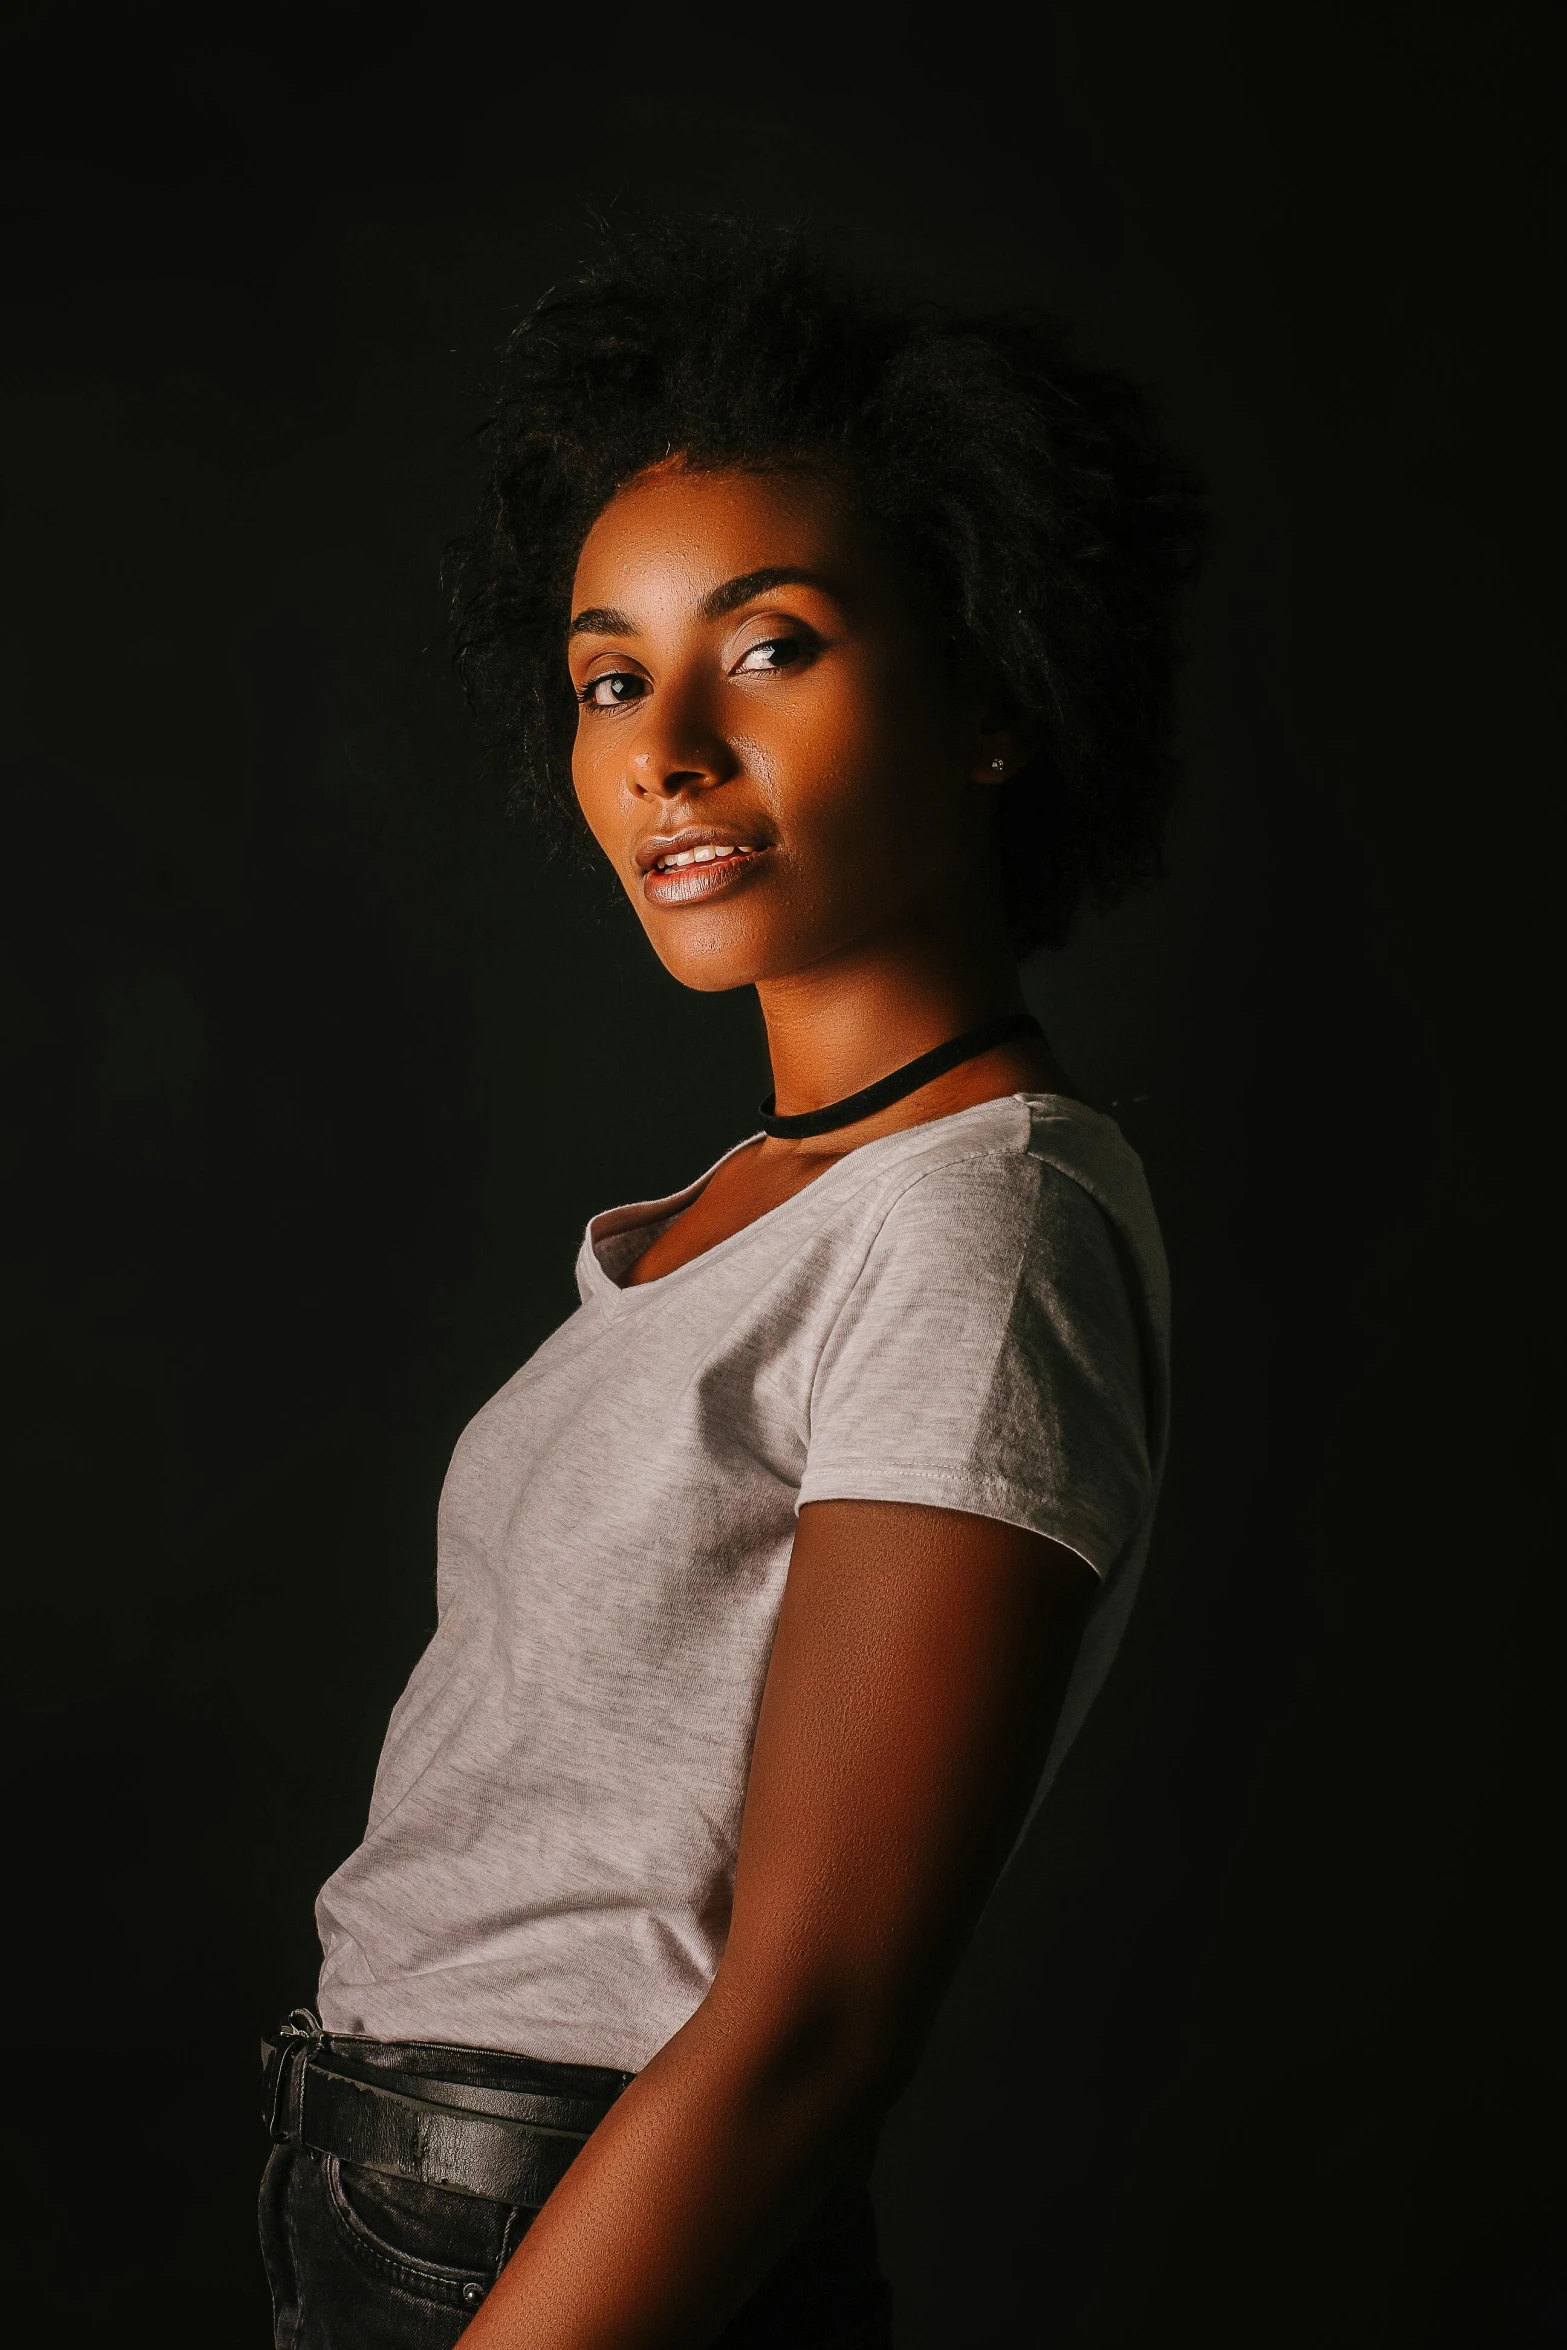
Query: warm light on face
x: 767, y: 751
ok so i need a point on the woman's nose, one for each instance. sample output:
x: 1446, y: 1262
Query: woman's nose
x: 657, y: 778
x: 677, y: 749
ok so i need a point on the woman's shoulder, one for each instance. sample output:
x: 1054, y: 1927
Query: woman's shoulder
x: 998, y: 1346
x: 1037, y: 1176
x: 1015, y: 1144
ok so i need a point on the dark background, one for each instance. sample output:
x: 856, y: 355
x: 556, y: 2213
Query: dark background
x: 317, y: 1068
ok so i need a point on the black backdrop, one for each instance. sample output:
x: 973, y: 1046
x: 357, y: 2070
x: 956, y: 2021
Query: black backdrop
x: 317, y: 1068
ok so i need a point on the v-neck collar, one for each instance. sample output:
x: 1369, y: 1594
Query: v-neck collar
x: 645, y: 1218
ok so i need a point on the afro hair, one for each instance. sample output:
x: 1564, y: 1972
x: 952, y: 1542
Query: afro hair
x: 1030, y: 497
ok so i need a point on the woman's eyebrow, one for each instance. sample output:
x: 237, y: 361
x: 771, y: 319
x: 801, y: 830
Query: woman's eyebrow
x: 735, y: 592
x: 604, y: 620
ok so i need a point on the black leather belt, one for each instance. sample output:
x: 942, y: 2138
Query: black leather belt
x: 508, y: 2140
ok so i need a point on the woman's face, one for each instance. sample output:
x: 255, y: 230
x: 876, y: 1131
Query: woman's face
x: 768, y: 751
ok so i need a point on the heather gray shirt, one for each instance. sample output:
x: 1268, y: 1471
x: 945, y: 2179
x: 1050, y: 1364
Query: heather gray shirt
x: 971, y: 1313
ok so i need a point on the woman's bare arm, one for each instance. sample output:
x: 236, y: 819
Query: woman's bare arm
x: 918, y: 1668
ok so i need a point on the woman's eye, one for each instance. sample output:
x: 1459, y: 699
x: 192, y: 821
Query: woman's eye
x: 774, y: 652
x: 612, y: 688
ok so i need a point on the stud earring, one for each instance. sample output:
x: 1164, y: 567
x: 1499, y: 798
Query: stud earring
x: 997, y: 765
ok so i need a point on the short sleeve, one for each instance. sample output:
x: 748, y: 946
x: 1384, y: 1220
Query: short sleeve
x: 990, y: 1358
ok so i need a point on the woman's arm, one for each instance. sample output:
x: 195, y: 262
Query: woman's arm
x: 918, y: 1668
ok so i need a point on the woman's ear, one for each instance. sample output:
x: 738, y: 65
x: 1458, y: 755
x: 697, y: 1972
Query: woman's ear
x: 1003, y: 742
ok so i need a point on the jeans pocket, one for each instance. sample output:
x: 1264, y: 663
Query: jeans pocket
x: 425, y: 2239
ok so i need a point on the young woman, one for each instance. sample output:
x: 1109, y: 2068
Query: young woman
x: 772, y: 1585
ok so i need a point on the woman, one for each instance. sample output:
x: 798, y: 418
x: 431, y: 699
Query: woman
x: 771, y: 1585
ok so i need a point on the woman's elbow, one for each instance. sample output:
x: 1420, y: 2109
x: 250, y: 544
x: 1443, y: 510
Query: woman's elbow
x: 842, y: 2039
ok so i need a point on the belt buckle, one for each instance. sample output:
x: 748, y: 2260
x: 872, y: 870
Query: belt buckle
x: 281, y: 2078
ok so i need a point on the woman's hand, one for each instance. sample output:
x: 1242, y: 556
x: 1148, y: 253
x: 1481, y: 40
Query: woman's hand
x: 919, y: 1664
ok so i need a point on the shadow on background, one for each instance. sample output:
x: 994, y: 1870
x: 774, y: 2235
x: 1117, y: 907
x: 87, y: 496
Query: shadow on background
x: 319, y: 1067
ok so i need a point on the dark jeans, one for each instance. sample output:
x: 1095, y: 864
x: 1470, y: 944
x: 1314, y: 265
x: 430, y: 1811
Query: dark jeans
x: 358, y: 2260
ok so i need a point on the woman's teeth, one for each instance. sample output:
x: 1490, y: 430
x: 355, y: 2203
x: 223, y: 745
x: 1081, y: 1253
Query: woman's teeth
x: 705, y: 855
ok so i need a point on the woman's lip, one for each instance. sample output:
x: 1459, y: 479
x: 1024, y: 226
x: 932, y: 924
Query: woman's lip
x: 692, y: 840
x: 690, y: 884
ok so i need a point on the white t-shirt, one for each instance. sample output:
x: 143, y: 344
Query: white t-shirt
x: 971, y: 1313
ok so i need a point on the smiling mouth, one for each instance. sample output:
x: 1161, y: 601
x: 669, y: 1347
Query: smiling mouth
x: 690, y: 870
x: 710, y: 853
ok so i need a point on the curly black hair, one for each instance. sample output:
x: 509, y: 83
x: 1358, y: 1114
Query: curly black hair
x: 1030, y: 497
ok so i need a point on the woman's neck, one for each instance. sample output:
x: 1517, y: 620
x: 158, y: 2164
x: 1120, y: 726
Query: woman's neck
x: 843, y: 1023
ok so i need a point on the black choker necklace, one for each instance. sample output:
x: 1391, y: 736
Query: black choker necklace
x: 906, y: 1080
